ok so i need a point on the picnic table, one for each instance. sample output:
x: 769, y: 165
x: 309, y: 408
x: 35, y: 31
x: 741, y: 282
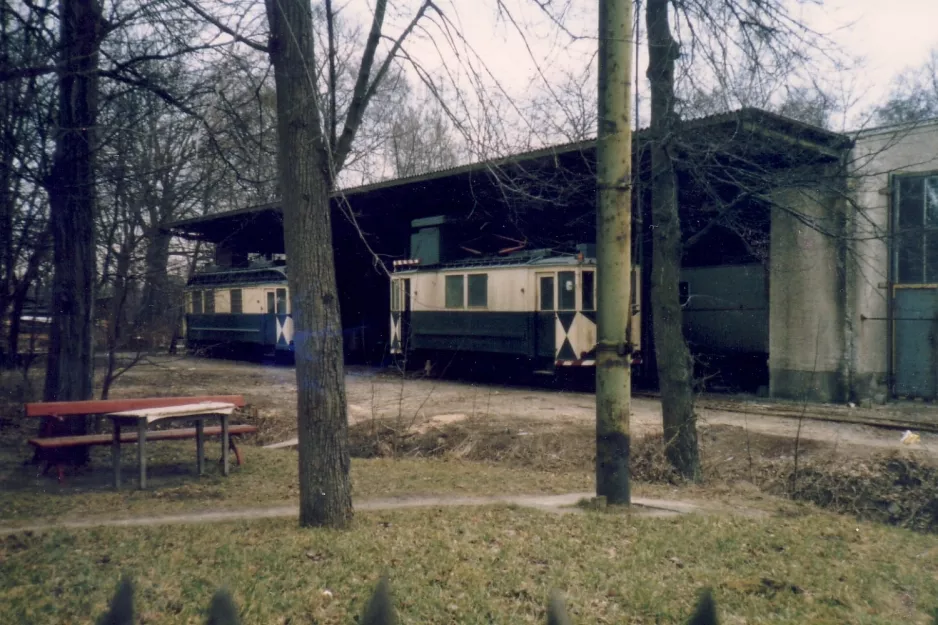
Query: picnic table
x: 49, y: 447
x: 144, y: 417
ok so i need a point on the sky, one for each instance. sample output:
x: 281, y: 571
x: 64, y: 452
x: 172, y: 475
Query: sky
x: 891, y: 35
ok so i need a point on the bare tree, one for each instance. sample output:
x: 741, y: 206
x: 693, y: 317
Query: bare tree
x: 169, y: 187
x: 913, y: 96
x: 312, y: 150
x: 71, y: 188
x: 421, y: 140
x: 768, y: 47
x: 567, y: 109
x: 27, y: 107
x: 675, y: 368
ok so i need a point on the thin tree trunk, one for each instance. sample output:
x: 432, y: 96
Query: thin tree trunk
x: 181, y: 311
x: 69, y: 374
x: 116, y: 310
x: 325, y: 488
x: 21, y: 294
x: 674, y: 361
x: 152, y: 316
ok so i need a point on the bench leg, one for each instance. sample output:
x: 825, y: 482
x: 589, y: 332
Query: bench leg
x: 49, y: 462
x: 234, y: 448
x: 225, y: 441
x: 116, y: 454
x: 142, y: 452
x: 200, y: 446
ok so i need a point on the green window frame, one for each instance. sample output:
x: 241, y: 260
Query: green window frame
x: 566, y: 290
x: 916, y: 229
x: 455, y: 291
x: 478, y: 288
x: 237, y: 301
x: 588, y: 291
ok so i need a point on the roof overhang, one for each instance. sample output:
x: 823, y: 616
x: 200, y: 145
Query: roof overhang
x: 260, y: 228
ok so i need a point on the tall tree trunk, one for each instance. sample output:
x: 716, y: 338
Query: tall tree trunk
x: 154, y: 317
x: 674, y: 362
x: 325, y: 488
x: 69, y: 374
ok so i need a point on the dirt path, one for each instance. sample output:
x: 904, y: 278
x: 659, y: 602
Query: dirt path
x: 551, y: 503
x: 416, y: 403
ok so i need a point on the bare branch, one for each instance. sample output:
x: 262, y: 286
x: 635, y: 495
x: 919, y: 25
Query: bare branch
x: 333, y: 122
x: 223, y: 28
x: 363, y: 92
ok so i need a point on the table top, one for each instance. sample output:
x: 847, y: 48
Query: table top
x: 186, y: 410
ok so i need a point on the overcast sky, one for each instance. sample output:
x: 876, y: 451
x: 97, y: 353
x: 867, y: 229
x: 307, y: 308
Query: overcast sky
x: 890, y: 34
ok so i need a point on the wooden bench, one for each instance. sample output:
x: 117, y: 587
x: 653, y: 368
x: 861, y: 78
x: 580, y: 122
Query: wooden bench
x: 45, y: 445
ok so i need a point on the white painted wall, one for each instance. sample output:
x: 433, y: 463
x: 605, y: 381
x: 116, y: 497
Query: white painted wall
x: 877, y: 154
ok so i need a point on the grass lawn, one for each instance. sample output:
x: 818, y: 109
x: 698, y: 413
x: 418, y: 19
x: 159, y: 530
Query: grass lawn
x: 484, y: 565
x: 268, y: 478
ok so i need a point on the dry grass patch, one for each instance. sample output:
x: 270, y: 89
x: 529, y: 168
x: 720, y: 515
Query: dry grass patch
x: 484, y: 565
x: 895, y: 488
x: 268, y: 478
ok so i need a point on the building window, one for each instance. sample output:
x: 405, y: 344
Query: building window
x: 566, y: 295
x: 916, y: 229
x: 237, y: 303
x: 209, y: 302
x: 196, y: 301
x: 547, y: 292
x: 478, y: 290
x: 588, y: 300
x: 454, y: 292
x: 281, y: 301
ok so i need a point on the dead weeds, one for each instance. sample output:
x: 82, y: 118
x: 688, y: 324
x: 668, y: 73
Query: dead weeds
x: 896, y: 489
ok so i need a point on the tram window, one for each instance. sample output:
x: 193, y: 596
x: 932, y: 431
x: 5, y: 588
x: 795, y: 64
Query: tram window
x: 237, y: 305
x: 683, y: 293
x: 478, y: 290
x: 196, y: 302
x: 547, y: 292
x: 281, y: 301
x: 589, y: 291
x: 209, y: 302
x: 270, y: 303
x: 566, y: 295
x: 454, y: 292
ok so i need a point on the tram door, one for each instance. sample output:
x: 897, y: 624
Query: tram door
x: 400, y: 315
x: 546, y: 340
x: 279, y: 323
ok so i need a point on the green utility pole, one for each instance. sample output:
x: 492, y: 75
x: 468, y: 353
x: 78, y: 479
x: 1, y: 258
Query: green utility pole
x: 614, y: 251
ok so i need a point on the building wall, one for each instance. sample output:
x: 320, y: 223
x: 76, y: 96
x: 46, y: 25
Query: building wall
x: 806, y: 297
x: 876, y: 155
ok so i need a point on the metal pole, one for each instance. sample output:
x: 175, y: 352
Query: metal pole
x: 614, y: 251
